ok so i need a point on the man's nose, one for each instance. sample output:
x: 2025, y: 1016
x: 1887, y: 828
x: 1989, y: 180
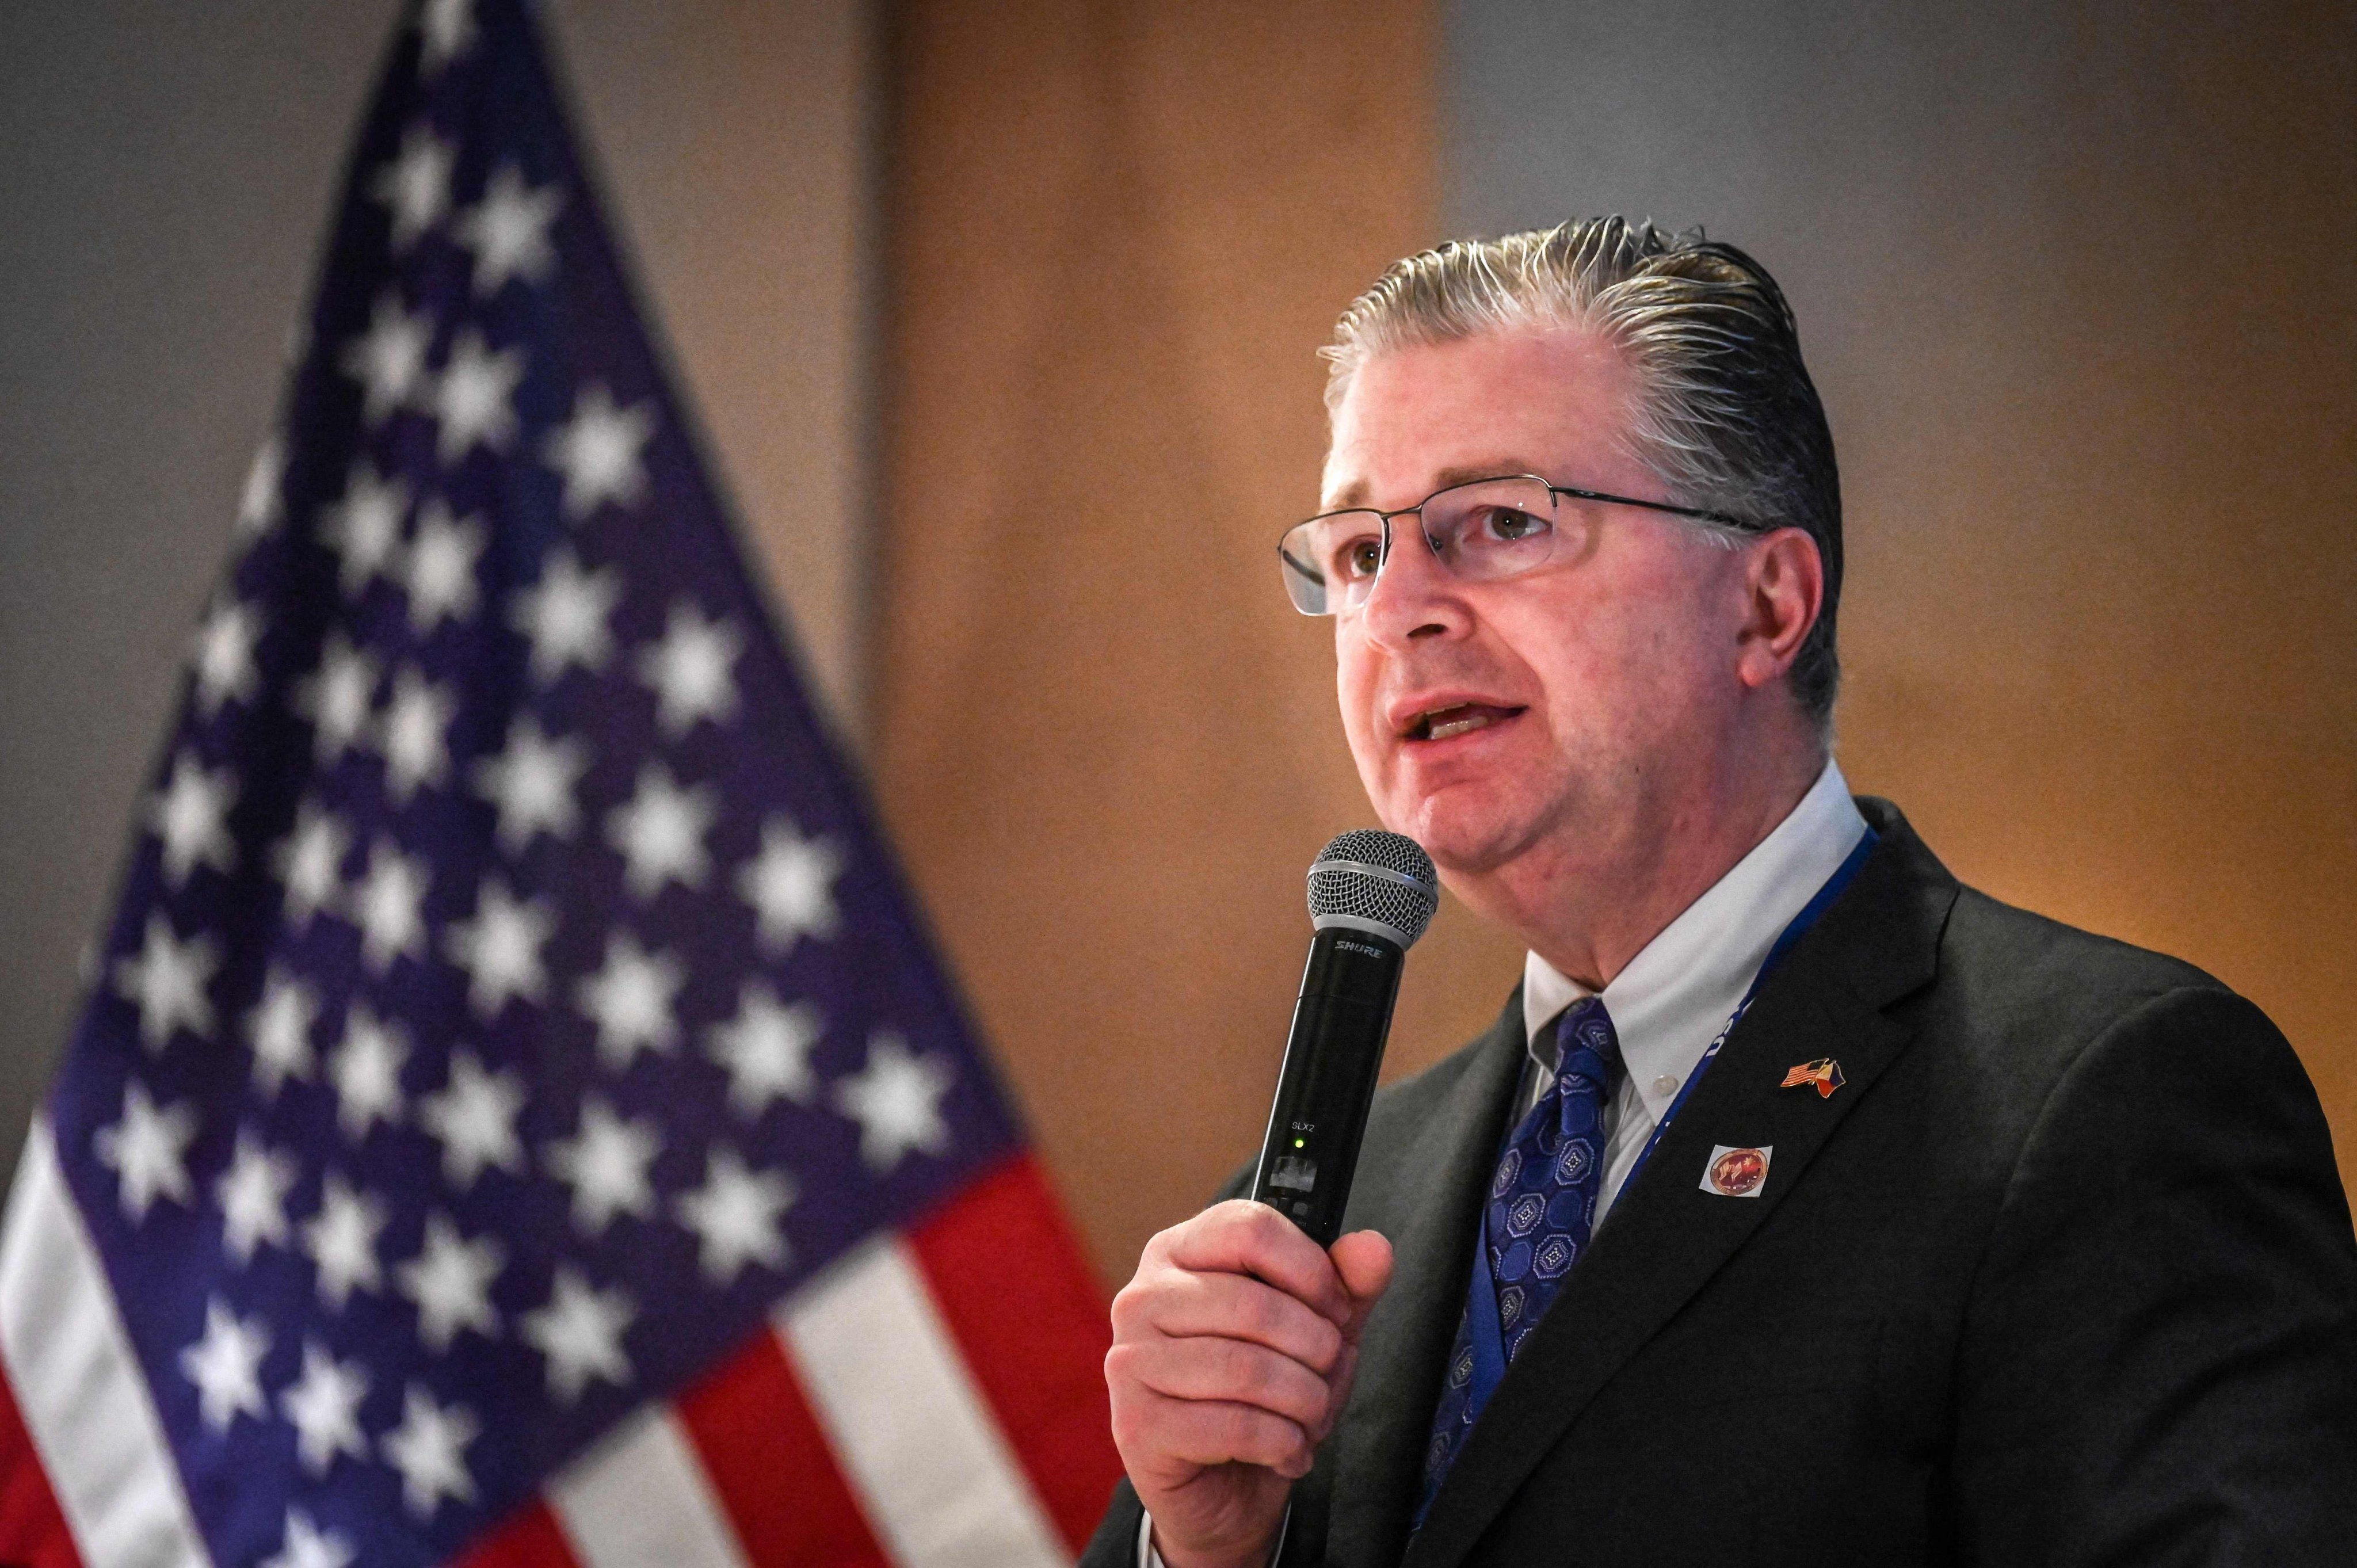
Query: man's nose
x: 1414, y: 595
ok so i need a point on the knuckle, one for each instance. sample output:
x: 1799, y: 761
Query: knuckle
x: 1121, y: 1366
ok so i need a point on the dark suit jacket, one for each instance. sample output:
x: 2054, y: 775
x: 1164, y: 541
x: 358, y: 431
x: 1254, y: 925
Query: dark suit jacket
x: 2062, y: 1274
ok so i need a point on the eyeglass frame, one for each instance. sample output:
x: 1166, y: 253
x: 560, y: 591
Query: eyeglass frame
x: 1553, y: 490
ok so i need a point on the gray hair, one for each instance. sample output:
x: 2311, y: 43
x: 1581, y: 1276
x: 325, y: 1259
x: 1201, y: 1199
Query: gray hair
x: 1728, y: 418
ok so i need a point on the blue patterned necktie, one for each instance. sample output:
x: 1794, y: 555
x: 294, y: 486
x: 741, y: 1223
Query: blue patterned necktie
x: 1535, y: 1225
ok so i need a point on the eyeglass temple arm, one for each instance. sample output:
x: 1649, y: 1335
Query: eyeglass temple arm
x: 1718, y: 517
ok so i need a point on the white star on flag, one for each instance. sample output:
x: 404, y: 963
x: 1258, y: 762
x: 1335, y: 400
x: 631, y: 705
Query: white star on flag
x: 565, y: 614
x: 471, y: 400
x: 389, y: 360
x: 415, y: 721
x: 429, y: 1449
x: 341, y: 1240
x: 660, y: 833
x: 336, y: 697
x: 226, y: 1366
x: 896, y: 1101
x: 416, y: 187
x: 451, y: 1282
x: 364, y: 527
x: 689, y: 670
x: 509, y: 232
x: 279, y: 1029
x: 447, y: 30
x: 308, y: 1546
x: 223, y: 654
x: 531, y: 784
x: 734, y: 1217
x: 604, y: 1163
x: 791, y: 885
x: 473, y: 1118
x: 147, y: 1151
x: 631, y: 1000
x: 167, y: 982
x: 191, y: 815
x: 439, y: 571
x: 580, y: 1333
x: 258, y: 506
x: 324, y: 1405
x: 310, y: 861
x: 253, y: 1196
x: 767, y: 1049
x: 499, y: 949
x: 366, y: 1072
x: 598, y: 451
x: 389, y: 904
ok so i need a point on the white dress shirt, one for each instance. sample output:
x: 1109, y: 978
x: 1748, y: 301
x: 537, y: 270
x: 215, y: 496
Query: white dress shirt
x: 1678, y: 993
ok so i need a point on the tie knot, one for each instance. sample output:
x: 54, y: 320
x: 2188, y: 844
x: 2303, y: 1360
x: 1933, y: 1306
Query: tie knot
x: 1586, y: 1043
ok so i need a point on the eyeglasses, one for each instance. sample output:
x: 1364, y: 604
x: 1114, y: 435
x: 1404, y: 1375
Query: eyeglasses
x: 1480, y: 532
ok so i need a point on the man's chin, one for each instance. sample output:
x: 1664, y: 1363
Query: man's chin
x: 1465, y: 840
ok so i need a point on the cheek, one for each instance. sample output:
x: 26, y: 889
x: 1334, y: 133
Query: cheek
x: 1354, y: 683
x: 1623, y: 662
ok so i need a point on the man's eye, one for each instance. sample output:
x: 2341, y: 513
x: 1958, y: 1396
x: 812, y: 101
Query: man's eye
x: 1362, y: 557
x: 1511, y: 524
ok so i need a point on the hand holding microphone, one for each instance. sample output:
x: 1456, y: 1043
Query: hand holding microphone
x: 1235, y: 1342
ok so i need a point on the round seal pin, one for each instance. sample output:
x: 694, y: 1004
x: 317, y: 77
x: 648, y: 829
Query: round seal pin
x: 1736, y: 1173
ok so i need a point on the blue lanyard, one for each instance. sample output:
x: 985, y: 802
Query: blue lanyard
x: 1485, y: 1333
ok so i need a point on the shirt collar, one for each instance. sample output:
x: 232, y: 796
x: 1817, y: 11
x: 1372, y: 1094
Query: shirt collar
x: 1674, y: 996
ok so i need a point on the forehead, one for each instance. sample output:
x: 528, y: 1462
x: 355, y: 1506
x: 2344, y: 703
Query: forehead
x: 1555, y: 403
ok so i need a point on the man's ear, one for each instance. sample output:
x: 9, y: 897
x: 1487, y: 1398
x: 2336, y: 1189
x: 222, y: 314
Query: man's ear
x: 1783, y: 594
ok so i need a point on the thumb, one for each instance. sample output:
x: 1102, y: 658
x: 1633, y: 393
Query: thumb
x: 1363, y: 1259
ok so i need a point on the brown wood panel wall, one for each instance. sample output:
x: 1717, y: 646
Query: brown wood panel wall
x: 1105, y: 742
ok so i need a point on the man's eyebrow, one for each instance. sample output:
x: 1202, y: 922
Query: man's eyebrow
x: 1354, y: 494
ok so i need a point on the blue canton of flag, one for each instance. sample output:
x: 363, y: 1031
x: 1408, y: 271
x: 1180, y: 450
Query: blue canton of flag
x: 510, y: 999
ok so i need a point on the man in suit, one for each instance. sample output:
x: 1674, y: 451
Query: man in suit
x: 1802, y: 1207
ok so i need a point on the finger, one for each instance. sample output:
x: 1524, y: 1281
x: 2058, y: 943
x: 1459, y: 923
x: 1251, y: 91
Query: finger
x: 1241, y: 1237
x: 1210, y: 1432
x: 1229, y: 1370
x: 1362, y: 1261
x: 1235, y: 1307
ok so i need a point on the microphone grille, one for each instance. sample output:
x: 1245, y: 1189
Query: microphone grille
x: 1370, y: 878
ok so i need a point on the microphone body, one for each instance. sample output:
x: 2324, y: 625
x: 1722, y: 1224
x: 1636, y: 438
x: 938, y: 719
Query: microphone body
x: 1371, y: 895
x: 1331, y: 1059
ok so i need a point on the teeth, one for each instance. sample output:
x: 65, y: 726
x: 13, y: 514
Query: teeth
x: 1465, y: 726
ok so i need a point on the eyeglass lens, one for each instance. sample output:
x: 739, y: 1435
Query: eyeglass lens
x: 1477, y: 533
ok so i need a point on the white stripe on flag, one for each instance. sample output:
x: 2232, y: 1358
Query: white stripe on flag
x: 914, y: 1438
x: 81, y: 1393
x: 641, y: 1498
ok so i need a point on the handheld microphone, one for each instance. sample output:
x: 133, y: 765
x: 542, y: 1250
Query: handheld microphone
x: 1371, y: 895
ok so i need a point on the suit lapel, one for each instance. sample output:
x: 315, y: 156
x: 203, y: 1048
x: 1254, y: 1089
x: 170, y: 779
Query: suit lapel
x: 1666, y: 1237
x: 1430, y: 1197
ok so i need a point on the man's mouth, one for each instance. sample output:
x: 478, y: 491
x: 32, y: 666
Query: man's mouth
x: 1458, y: 718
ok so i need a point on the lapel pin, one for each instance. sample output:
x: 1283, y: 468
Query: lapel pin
x: 1736, y: 1173
x: 1824, y: 1072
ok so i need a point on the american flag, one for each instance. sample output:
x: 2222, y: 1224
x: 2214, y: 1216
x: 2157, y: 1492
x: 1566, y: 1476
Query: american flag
x: 516, y: 1118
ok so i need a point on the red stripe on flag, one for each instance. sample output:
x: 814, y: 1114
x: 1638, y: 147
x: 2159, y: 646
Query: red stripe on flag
x: 770, y: 1464
x: 1032, y: 1324
x: 529, y: 1539
x: 33, y: 1532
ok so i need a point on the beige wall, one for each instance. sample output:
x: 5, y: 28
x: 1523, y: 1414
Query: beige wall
x: 2076, y: 282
